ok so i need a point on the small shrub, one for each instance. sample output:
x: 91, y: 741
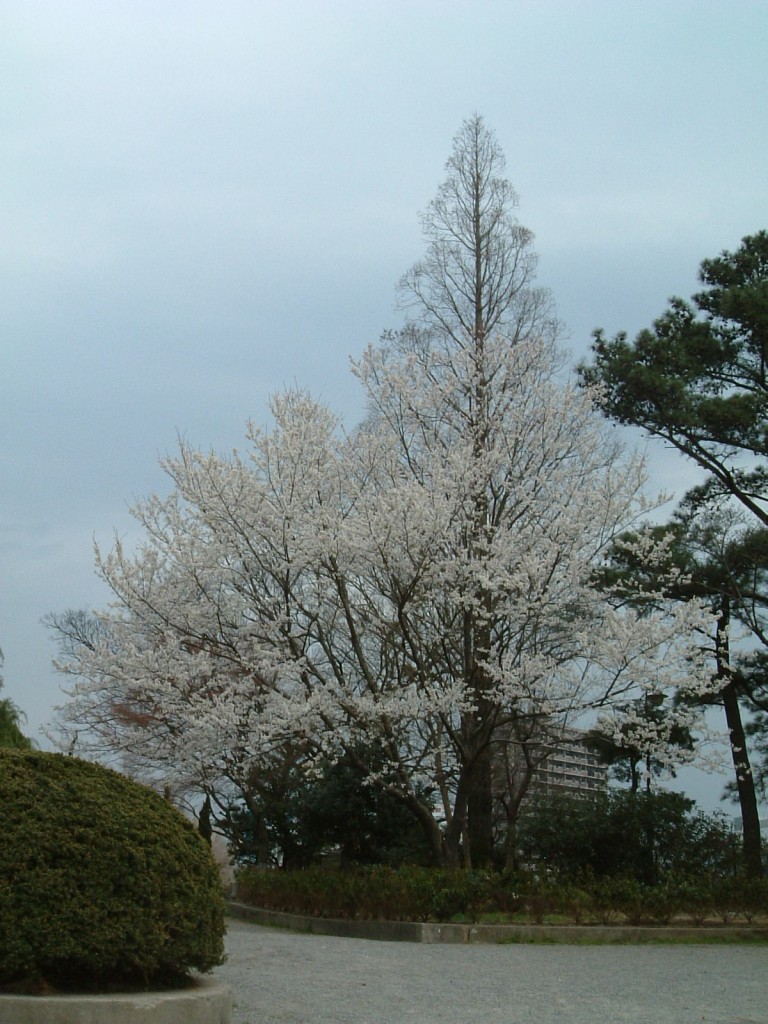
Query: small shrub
x: 727, y: 897
x: 103, y: 884
x: 754, y: 899
x: 630, y: 899
x: 696, y: 899
x: 503, y: 894
x: 576, y: 903
x: 745, y: 897
x: 661, y: 903
x: 449, y: 900
x: 607, y: 894
x: 538, y: 902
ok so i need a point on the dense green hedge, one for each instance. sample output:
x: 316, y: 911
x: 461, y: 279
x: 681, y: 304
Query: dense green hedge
x: 103, y: 884
x: 425, y: 894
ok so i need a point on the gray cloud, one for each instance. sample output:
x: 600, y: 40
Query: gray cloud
x: 203, y: 203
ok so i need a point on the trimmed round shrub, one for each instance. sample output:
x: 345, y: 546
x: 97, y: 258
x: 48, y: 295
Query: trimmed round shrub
x: 103, y: 884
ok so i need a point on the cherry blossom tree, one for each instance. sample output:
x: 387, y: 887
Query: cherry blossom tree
x: 424, y: 585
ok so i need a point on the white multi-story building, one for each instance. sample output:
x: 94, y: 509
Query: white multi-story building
x: 570, y: 766
x: 558, y: 764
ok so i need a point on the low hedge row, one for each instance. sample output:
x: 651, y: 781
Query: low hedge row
x: 424, y: 894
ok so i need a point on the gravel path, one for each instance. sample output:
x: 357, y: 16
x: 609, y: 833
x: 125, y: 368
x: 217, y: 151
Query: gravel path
x: 281, y: 977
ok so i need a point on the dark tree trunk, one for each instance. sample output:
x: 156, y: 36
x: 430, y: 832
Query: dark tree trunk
x: 512, y: 800
x: 204, y: 824
x: 745, y: 782
x: 430, y: 828
x: 480, y: 811
x: 456, y: 830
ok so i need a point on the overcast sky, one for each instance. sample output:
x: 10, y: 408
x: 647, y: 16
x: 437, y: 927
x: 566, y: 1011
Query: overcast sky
x: 204, y: 202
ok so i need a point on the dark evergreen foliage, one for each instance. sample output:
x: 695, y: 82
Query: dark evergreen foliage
x: 103, y: 884
x: 10, y: 732
x: 293, y: 820
x: 698, y: 379
x: 10, y: 722
x: 643, y: 836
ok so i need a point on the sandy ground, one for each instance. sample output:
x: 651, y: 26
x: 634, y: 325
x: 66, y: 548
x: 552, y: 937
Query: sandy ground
x: 281, y: 977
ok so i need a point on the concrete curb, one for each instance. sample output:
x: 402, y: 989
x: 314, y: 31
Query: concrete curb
x: 432, y: 932
x: 208, y: 1003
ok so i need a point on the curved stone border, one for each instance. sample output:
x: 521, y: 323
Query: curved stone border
x: 415, y: 931
x: 207, y: 1003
